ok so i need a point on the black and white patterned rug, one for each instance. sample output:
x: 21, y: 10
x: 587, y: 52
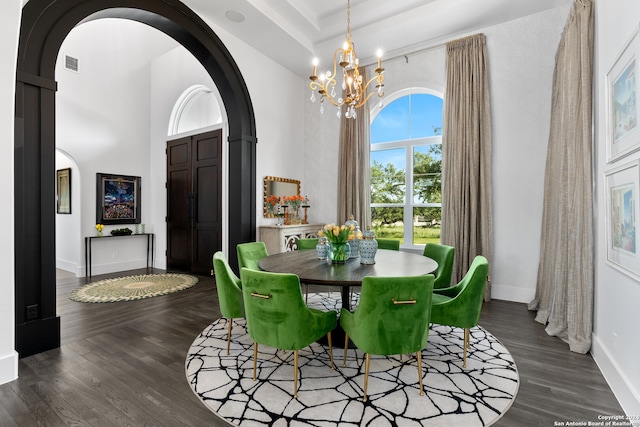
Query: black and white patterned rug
x: 475, y: 396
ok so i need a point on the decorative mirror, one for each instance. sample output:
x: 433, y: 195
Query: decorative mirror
x: 278, y: 187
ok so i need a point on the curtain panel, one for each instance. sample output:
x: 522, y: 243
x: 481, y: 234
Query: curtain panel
x: 353, y: 169
x: 564, y: 290
x: 467, y: 211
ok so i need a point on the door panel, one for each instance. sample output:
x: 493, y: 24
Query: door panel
x: 194, y: 199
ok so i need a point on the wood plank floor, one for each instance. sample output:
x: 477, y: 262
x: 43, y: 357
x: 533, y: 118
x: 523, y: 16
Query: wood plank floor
x: 122, y: 364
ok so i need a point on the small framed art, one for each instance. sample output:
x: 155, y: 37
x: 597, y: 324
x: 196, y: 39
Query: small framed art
x: 621, y: 193
x: 63, y: 191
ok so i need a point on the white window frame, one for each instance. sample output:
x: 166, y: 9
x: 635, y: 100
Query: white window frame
x: 408, y: 145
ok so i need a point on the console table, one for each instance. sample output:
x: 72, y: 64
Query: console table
x: 88, y: 243
x: 284, y: 238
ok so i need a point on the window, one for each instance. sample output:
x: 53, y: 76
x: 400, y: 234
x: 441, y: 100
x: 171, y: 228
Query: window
x: 406, y: 136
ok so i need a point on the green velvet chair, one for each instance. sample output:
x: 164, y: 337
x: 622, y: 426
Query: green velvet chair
x: 459, y: 306
x: 229, y: 290
x: 249, y: 254
x: 278, y: 317
x: 303, y: 245
x: 443, y: 255
x: 307, y: 243
x: 392, y: 318
x: 392, y: 244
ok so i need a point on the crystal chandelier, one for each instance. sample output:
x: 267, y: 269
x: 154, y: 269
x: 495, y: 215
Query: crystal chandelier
x: 355, y: 94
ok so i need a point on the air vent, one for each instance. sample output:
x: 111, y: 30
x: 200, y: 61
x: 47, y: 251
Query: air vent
x: 71, y: 63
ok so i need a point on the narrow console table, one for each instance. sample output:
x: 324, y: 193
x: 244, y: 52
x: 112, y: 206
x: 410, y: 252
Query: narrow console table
x: 89, y: 240
x: 284, y: 238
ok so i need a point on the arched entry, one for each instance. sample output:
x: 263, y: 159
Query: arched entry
x: 45, y: 24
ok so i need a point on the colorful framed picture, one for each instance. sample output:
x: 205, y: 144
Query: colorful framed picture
x: 622, y: 186
x: 118, y: 199
x: 63, y: 191
x: 623, y: 112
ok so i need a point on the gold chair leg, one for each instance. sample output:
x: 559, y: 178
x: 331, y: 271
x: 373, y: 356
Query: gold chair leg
x: 366, y: 376
x: 346, y: 347
x: 229, y: 336
x: 255, y: 359
x: 295, y: 374
x: 330, y: 349
x: 419, y: 354
x: 466, y: 344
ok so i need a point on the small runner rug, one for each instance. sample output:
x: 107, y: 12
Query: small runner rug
x: 476, y: 396
x: 132, y: 288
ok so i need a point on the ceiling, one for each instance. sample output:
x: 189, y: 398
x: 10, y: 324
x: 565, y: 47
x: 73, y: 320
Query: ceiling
x: 293, y: 32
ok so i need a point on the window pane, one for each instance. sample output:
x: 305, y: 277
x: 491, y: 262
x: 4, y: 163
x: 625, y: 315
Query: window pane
x: 388, y: 223
x: 388, y: 176
x: 427, y: 173
x: 392, y: 123
x: 426, y: 115
x: 426, y: 225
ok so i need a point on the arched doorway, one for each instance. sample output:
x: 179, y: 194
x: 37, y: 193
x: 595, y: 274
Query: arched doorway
x: 45, y: 24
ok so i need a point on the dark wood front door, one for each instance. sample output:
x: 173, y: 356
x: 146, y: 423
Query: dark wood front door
x: 194, y: 201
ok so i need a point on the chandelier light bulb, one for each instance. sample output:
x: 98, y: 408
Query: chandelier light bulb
x: 315, y: 65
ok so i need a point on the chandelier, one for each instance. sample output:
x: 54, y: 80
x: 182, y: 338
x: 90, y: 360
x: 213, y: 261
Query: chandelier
x: 354, y: 93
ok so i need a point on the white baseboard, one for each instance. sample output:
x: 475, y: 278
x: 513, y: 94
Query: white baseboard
x: 9, y: 367
x: 65, y: 265
x: 115, y: 267
x: 512, y: 293
x: 627, y: 395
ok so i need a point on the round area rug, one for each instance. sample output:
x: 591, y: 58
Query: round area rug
x: 476, y: 396
x: 133, y: 287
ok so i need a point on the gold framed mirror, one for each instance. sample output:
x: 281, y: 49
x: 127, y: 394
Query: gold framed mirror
x: 279, y: 187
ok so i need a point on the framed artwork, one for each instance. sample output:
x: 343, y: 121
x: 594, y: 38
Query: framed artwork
x: 621, y: 193
x: 63, y: 191
x: 118, y: 199
x: 622, y: 127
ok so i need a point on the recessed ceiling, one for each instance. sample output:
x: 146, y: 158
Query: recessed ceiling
x: 292, y: 32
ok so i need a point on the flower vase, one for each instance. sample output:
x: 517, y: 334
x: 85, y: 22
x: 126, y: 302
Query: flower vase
x: 338, y: 252
x: 99, y: 233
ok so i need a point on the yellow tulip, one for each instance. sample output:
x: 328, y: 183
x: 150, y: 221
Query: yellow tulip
x: 320, y: 233
x: 336, y: 232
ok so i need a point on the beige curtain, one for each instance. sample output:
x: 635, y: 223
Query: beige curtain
x: 466, y: 155
x: 564, y: 292
x: 353, y: 170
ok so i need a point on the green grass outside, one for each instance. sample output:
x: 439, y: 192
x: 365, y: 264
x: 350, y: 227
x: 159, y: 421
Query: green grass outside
x: 421, y: 235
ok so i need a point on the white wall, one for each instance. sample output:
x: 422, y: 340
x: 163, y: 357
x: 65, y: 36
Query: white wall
x: 68, y: 226
x: 615, y: 337
x: 10, y: 12
x: 521, y: 57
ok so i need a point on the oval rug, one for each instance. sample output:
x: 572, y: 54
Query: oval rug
x: 131, y: 288
x: 476, y: 396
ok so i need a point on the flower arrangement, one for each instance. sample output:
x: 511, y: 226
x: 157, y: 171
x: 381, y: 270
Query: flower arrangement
x: 337, y: 233
x: 293, y: 202
x: 272, y: 202
x: 99, y: 227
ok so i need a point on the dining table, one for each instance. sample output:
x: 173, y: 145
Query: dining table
x: 312, y: 270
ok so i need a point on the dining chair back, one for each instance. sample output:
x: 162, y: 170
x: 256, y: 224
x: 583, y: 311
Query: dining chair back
x: 307, y: 243
x: 460, y: 305
x: 249, y: 254
x: 392, y: 244
x: 443, y: 255
x: 278, y: 317
x: 229, y: 290
x: 392, y: 318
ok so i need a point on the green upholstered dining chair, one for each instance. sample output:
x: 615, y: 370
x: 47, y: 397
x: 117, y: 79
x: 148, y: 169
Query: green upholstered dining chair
x: 443, y: 255
x: 249, y: 254
x: 392, y: 318
x: 229, y: 290
x: 278, y: 317
x: 303, y: 245
x: 392, y: 244
x: 307, y: 243
x: 460, y: 305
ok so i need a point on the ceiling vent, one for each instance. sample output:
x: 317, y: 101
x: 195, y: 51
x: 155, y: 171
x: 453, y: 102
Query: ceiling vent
x: 71, y: 63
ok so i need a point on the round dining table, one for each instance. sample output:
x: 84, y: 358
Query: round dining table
x: 311, y: 270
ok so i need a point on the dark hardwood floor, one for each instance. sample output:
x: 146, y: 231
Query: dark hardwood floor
x: 122, y: 364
